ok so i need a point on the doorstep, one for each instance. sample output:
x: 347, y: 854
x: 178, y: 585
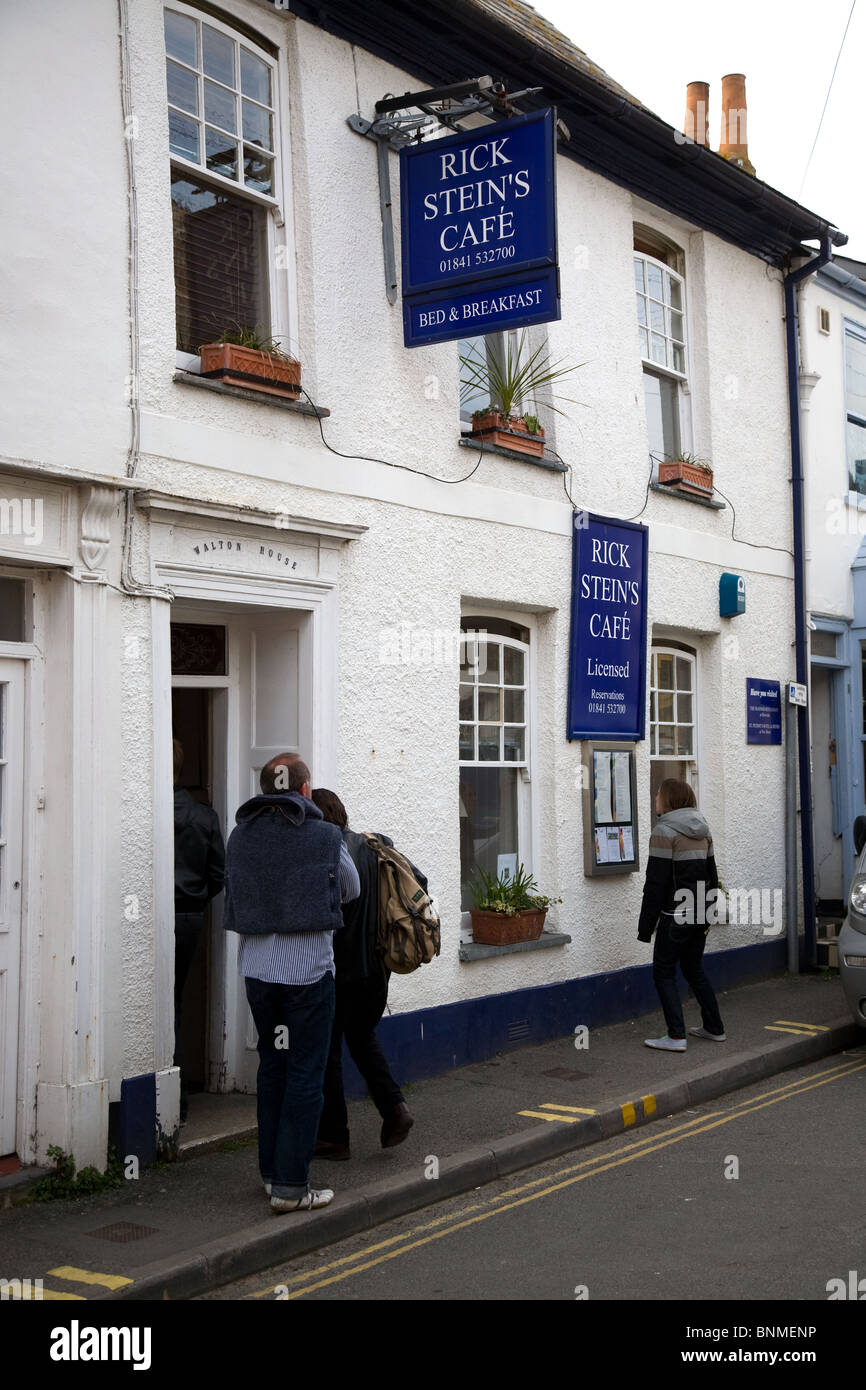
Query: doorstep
x: 215, y: 1119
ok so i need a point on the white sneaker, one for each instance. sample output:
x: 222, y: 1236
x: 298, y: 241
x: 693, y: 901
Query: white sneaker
x: 666, y: 1044
x: 267, y: 1187
x: 311, y: 1199
x: 702, y: 1033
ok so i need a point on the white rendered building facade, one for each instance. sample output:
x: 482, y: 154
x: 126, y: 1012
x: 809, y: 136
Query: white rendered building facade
x: 180, y: 560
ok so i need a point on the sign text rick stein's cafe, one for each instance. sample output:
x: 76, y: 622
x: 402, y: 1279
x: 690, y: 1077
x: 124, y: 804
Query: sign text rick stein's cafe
x: 478, y: 214
x: 479, y: 231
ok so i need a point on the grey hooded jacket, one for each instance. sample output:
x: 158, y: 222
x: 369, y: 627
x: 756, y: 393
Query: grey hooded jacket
x: 681, y: 871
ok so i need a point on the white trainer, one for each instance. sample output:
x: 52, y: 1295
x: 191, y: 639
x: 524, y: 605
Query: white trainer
x: 666, y: 1044
x: 703, y: 1033
x: 311, y: 1199
x: 267, y: 1187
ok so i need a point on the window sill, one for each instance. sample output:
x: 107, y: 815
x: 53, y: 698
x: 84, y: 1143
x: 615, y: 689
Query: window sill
x: 688, y: 496
x: 471, y: 950
x: 466, y: 442
x: 258, y: 397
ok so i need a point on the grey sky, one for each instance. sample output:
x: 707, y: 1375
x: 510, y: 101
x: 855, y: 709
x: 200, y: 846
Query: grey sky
x: 787, y: 56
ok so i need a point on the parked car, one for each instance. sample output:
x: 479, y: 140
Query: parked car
x: 852, y: 937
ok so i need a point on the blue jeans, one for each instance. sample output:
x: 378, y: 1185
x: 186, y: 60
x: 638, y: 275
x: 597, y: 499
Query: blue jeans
x: 294, y: 1028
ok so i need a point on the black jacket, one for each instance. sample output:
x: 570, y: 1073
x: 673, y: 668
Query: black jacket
x: 199, y: 857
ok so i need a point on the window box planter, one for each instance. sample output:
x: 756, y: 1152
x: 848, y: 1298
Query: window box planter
x: 508, y: 433
x: 687, y: 477
x: 270, y: 372
x: 496, y: 929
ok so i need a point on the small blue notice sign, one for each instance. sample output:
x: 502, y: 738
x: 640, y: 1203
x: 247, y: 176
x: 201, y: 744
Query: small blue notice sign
x: 763, y: 711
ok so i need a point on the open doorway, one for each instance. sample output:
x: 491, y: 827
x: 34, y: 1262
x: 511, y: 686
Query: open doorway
x: 192, y: 725
x: 242, y: 680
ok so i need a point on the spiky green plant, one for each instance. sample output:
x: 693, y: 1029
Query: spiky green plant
x: 507, y: 893
x: 514, y: 377
x: 241, y: 335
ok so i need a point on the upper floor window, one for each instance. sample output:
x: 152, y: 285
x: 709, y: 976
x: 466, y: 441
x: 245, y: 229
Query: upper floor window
x: 855, y: 406
x: 482, y: 352
x: 661, y: 316
x: 220, y: 103
x: 223, y: 142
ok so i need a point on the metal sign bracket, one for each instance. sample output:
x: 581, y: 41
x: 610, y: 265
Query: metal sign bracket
x: 396, y: 125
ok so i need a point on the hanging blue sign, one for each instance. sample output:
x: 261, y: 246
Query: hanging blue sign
x: 478, y: 226
x: 763, y: 711
x: 607, y: 664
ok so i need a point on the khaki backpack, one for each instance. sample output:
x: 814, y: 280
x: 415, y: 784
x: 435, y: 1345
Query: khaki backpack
x: 408, y: 933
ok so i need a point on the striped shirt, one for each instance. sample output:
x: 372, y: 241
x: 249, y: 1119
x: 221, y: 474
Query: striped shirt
x: 296, y: 958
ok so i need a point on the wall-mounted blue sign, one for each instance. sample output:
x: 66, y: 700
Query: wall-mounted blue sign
x: 478, y: 226
x: 607, y: 665
x: 763, y: 711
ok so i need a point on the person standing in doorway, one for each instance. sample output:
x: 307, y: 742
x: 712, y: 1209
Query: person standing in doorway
x: 199, y: 863
x: 287, y: 873
x: 361, y: 997
x: 681, y: 885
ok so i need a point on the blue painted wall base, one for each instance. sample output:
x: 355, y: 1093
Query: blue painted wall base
x: 429, y: 1042
x: 136, y: 1119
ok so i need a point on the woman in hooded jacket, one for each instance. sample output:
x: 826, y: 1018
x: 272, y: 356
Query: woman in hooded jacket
x: 681, y: 886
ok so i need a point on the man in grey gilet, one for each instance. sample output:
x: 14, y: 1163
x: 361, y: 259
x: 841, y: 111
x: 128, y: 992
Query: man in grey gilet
x: 287, y: 873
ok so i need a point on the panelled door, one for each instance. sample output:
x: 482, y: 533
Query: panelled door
x: 11, y: 823
x: 274, y: 709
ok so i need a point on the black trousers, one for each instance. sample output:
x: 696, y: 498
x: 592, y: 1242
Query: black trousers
x: 683, y: 946
x: 359, y: 1007
x: 188, y: 927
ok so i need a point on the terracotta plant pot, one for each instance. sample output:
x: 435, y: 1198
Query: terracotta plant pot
x: 687, y: 477
x: 495, y: 929
x: 251, y: 368
x: 508, y: 434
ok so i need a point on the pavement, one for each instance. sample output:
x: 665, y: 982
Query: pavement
x: 183, y: 1228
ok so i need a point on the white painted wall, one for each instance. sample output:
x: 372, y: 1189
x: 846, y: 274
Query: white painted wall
x: 836, y: 520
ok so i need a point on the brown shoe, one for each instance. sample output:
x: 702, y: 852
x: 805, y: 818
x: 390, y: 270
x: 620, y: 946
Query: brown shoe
x: 396, y: 1126
x: 336, y: 1151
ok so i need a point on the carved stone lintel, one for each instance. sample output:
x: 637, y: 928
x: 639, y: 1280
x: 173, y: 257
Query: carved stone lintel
x: 99, y: 507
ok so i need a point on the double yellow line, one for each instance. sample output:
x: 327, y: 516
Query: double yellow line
x: 394, y: 1246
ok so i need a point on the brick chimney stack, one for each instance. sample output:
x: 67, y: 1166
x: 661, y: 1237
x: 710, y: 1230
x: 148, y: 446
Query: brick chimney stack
x: 733, y: 138
x: 696, y: 123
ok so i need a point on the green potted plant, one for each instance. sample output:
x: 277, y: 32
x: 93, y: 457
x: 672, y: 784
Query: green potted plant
x: 688, y: 474
x: 243, y: 356
x: 508, y: 380
x: 508, y: 908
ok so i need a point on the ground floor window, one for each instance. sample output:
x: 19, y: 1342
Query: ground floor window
x: 493, y: 749
x: 673, y: 732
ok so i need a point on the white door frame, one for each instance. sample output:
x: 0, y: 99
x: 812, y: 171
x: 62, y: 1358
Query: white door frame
x: 13, y: 676
x: 219, y: 598
x: 31, y: 659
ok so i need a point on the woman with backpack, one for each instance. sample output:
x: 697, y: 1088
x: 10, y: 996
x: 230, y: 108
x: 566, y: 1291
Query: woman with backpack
x: 681, y: 884
x: 361, y: 995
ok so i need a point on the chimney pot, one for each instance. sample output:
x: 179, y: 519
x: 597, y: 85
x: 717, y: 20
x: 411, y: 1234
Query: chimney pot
x: 733, y: 138
x: 696, y: 123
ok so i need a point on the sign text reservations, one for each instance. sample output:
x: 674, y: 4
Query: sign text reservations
x: 478, y: 220
x: 607, y: 667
